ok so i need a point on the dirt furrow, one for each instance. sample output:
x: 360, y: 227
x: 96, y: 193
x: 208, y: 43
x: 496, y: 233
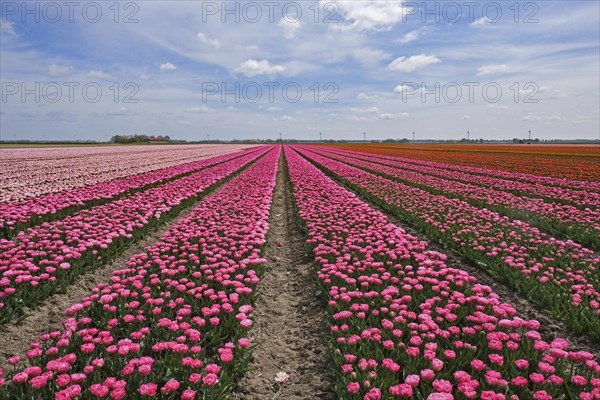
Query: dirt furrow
x: 290, y: 331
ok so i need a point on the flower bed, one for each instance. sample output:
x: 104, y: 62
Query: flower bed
x: 561, y: 276
x: 405, y: 325
x: 172, y: 323
x: 53, y: 254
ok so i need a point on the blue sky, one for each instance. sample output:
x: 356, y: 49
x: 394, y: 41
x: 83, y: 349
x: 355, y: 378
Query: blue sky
x: 387, y: 68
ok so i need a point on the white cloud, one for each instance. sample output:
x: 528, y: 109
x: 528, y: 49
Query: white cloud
x: 410, y: 64
x: 390, y: 116
x: 364, y: 96
x: 274, y: 109
x: 252, y: 68
x: 167, y: 67
x: 482, y: 21
x: 538, y: 117
x: 206, y: 40
x: 121, y: 112
x: 374, y: 15
x: 558, y: 94
x: 404, y: 88
x: 288, y: 118
x: 465, y: 117
x: 290, y: 28
x: 582, y: 119
x: 498, y: 106
x: 531, y: 117
x: 199, y: 109
x: 7, y: 28
x: 414, y: 35
x: 97, y: 74
x: 370, y: 110
x: 493, y: 69
x: 57, y: 71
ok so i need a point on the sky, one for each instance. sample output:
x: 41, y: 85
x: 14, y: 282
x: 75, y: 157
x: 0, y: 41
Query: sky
x: 347, y: 69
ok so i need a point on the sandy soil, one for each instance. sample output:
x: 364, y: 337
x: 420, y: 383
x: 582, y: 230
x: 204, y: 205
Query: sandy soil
x: 290, y: 330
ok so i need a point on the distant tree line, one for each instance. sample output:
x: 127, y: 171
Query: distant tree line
x: 522, y: 141
x: 123, y: 139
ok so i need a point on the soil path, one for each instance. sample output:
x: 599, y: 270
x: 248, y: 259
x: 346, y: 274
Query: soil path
x: 17, y: 333
x: 290, y: 331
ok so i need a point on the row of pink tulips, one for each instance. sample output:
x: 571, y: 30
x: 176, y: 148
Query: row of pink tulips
x: 582, y: 226
x: 35, y: 172
x: 579, y: 198
x: 537, y: 180
x: 561, y: 276
x: 405, y: 325
x: 172, y: 323
x: 18, y: 215
x: 53, y: 254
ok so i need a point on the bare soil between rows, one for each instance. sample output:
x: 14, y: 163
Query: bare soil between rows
x: 290, y: 330
x: 16, y: 335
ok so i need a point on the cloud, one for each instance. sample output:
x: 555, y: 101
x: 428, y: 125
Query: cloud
x: 414, y: 35
x: 364, y: 96
x: 167, y: 67
x: 558, y: 94
x: 390, y: 116
x: 538, y: 117
x: 290, y: 29
x: 206, y: 40
x: 370, y: 110
x: 582, y: 119
x: 57, y: 71
x: 492, y: 69
x: 199, y: 109
x: 376, y: 15
x: 465, y: 117
x: 287, y: 118
x: 122, y: 112
x: 482, y: 21
x: 412, y: 63
x: 274, y: 109
x: 498, y: 106
x: 7, y: 28
x: 252, y: 68
x: 403, y: 88
x: 97, y: 74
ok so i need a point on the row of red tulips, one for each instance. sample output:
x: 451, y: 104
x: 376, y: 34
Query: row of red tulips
x: 18, y: 215
x: 53, y: 254
x: 405, y: 325
x: 582, y: 226
x: 580, y: 198
x: 561, y: 276
x: 34, y: 172
x: 538, y: 181
x: 172, y: 323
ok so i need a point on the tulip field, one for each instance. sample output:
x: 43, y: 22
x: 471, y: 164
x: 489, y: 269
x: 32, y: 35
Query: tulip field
x: 399, y: 243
